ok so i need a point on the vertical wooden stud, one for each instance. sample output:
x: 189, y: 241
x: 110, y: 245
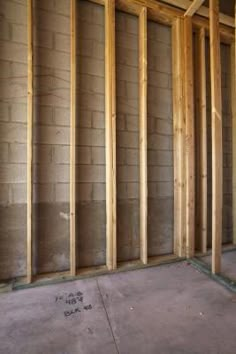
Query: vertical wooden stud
x: 233, y: 96
x: 29, y: 138
x: 143, y: 132
x: 202, y: 139
x: 110, y: 107
x: 217, y: 173
x: 189, y: 137
x: 73, y: 142
x: 179, y: 139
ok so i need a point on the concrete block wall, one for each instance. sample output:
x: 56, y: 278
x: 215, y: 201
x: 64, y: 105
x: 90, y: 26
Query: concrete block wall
x: 160, y: 141
x: 127, y: 136
x: 227, y: 144
x: 91, y: 169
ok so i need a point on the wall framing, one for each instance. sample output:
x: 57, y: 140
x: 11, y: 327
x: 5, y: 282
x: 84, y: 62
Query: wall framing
x: 184, y: 195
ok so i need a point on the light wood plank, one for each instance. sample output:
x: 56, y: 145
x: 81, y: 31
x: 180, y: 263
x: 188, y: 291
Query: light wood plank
x: 194, y: 7
x: 233, y: 109
x: 29, y: 138
x: 73, y: 142
x: 143, y: 132
x: 189, y: 137
x: 217, y: 178
x: 110, y: 103
x: 179, y: 138
x: 202, y: 139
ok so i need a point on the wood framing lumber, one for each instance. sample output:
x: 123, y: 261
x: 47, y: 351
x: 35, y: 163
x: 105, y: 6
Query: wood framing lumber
x: 179, y: 139
x: 194, y: 7
x: 201, y: 143
x: 143, y: 132
x: 73, y: 142
x: 233, y: 104
x: 189, y: 137
x: 110, y: 120
x: 29, y: 138
x: 216, y: 112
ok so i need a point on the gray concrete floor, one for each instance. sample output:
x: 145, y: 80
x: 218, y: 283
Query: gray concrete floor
x: 166, y: 309
x: 228, y: 264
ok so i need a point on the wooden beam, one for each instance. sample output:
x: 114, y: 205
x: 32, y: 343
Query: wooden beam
x: 143, y: 132
x: 194, y: 7
x: 29, y: 138
x: 202, y: 11
x: 73, y: 142
x: 110, y: 120
x: 179, y: 138
x: 216, y: 110
x: 189, y: 137
x: 201, y: 120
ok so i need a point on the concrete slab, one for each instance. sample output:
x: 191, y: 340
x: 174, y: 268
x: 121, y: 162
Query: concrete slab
x: 166, y: 309
x: 228, y: 263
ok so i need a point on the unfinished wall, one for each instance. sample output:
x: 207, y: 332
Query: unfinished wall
x: 227, y: 224
x: 91, y: 170
x: 127, y: 136
x: 160, y: 141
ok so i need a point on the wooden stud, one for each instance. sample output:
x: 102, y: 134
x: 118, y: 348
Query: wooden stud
x: 73, y: 142
x: 110, y: 103
x: 216, y: 99
x: 29, y: 138
x: 233, y: 108
x: 189, y: 137
x: 194, y: 7
x: 201, y: 139
x: 143, y: 132
x: 179, y: 139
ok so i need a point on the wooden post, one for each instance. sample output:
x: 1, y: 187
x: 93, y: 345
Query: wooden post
x: 73, y: 142
x: 189, y: 139
x: 179, y: 138
x: 202, y: 138
x: 194, y: 7
x: 110, y: 103
x: 143, y: 132
x: 217, y: 178
x: 29, y: 138
x: 233, y: 96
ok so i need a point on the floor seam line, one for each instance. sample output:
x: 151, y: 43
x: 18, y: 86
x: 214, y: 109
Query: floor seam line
x: 103, y: 303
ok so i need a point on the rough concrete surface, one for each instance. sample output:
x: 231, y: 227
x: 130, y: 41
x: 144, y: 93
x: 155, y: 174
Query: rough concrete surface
x: 228, y: 264
x: 166, y: 309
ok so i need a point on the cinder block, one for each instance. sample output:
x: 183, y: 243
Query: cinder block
x: 3, y: 152
x: 85, y: 47
x: 42, y: 154
x: 91, y: 137
x: 51, y: 174
x: 128, y: 139
x: 19, y: 193
x: 13, y: 51
x: 63, y: 7
x: 99, y: 191
x: 160, y: 174
x: 17, y: 153
x: 85, y: 118
x: 83, y: 155
x: 4, y: 194
x: 92, y: 66
x: 43, y: 115
x: 4, y: 112
x: 62, y: 116
x: 84, y: 191
x: 61, y: 154
x: 98, y: 50
x: 19, y: 33
x: 165, y: 189
x: 19, y: 112
x: 91, y: 31
x: 98, y: 155
x: 92, y: 101
x: 43, y: 38
x: 14, y: 12
x: 131, y: 24
x: 62, y: 42
x: 120, y: 156
x: 91, y: 174
x: 52, y: 21
x: 62, y: 192
x: 132, y: 122
x: 5, y: 30
x: 132, y: 190
x: 13, y: 132
x: 53, y: 59
x: 128, y: 174
x: 160, y: 158
x: 45, y: 4
x: 43, y: 193
x: 132, y: 157
x: 12, y: 173
x: 98, y: 120
x: 164, y: 126
x: 52, y: 135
